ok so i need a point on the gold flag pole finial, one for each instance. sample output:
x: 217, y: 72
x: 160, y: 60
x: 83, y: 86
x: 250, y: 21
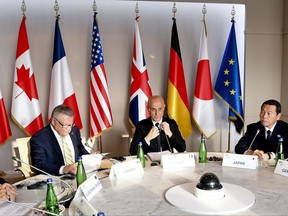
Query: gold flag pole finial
x: 233, y: 12
x: 56, y: 8
x: 137, y: 11
x: 204, y: 11
x: 174, y: 10
x: 23, y: 8
x: 94, y: 7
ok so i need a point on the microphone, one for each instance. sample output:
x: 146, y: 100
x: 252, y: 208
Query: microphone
x: 21, y: 161
x: 104, y: 156
x: 29, y: 207
x: 64, y: 199
x: 257, y: 132
x: 166, y: 137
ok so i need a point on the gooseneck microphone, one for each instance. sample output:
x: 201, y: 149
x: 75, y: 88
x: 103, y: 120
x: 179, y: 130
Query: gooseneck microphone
x: 63, y: 200
x: 257, y: 132
x: 21, y: 161
x: 104, y: 156
x: 166, y: 137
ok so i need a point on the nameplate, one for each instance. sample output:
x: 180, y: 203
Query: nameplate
x: 80, y: 206
x: 178, y: 160
x: 282, y: 168
x: 126, y: 169
x: 90, y: 187
x: 240, y: 161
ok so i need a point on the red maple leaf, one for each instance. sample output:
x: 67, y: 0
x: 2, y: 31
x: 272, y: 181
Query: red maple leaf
x: 26, y: 83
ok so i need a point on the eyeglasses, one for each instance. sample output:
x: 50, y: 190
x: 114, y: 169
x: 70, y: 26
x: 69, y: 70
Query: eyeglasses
x: 65, y: 126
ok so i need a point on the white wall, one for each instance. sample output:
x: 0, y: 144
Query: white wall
x: 116, y: 23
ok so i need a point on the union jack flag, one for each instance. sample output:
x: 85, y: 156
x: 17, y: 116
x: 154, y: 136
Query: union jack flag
x: 100, y: 109
x: 140, y: 90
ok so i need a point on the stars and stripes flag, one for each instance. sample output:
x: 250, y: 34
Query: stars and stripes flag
x: 100, y: 108
x: 177, y: 99
x: 140, y: 90
x: 228, y: 84
x: 5, y: 130
x: 203, y: 104
x: 25, y: 109
x: 61, y: 87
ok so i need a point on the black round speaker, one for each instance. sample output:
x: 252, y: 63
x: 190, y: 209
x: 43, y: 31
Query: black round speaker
x: 209, y: 181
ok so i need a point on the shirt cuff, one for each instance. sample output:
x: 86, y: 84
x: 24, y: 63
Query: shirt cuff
x: 61, y: 170
x: 148, y: 143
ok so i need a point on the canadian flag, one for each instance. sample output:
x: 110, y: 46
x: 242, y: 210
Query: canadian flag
x: 25, y: 109
x: 5, y: 131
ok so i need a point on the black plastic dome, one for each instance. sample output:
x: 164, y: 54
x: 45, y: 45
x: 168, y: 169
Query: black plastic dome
x: 209, y: 181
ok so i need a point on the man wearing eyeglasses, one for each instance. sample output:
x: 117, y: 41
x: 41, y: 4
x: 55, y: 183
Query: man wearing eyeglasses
x: 157, y: 132
x: 56, y: 147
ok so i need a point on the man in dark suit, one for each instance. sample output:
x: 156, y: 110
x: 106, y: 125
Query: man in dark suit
x: 265, y: 141
x: 154, y: 131
x: 56, y: 147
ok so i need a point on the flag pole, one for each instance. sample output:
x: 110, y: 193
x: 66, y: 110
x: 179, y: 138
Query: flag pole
x: 233, y: 12
x: 229, y: 136
x: 99, y: 143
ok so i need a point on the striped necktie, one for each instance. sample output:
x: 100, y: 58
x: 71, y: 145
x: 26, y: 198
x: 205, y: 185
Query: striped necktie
x: 67, y: 152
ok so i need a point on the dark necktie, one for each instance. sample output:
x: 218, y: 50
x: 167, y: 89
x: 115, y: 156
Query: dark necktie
x: 158, y: 138
x: 268, y: 135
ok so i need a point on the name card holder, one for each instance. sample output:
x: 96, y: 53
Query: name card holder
x: 90, y: 187
x: 126, y: 169
x: 178, y: 160
x: 240, y: 161
x: 80, y: 204
x: 282, y: 168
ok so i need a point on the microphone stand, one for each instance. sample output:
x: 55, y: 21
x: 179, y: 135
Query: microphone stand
x: 166, y: 137
x: 249, y: 151
x: 52, y: 176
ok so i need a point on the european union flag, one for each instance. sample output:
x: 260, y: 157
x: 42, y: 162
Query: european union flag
x: 228, y: 85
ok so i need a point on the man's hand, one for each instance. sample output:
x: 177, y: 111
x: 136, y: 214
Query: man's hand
x: 7, y: 192
x: 153, y: 133
x: 71, y: 168
x: 259, y: 153
x: 166, y: 128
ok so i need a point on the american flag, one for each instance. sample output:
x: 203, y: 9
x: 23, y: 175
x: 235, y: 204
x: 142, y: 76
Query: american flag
x: 140, y: 89
x: 100, y: 109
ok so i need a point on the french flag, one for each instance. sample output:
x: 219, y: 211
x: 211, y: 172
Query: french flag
x: 61, y: 87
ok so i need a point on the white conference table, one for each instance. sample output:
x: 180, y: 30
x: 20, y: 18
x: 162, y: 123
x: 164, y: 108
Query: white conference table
x: 145, y: 195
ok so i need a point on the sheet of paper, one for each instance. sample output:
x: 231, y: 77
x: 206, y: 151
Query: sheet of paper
x: 91, y: 162
x: 156, y: 156
x: 14, y: 209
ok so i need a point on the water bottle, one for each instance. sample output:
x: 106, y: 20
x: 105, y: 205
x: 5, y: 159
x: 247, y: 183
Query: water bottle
x: 80, y: 174
x: 52, y: 204
x: 279, y: 152
x: 100, y: 214
x: 202, y: 151
x: 140, y: 154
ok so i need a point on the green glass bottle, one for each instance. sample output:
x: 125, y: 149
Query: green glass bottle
x: 140, y: 154
x: 279, y: 152
x: 202, y: 151
x: 52, y: 204
x: 80, y: 174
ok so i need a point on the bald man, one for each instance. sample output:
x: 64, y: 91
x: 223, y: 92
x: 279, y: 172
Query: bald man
x: 154, y: 131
